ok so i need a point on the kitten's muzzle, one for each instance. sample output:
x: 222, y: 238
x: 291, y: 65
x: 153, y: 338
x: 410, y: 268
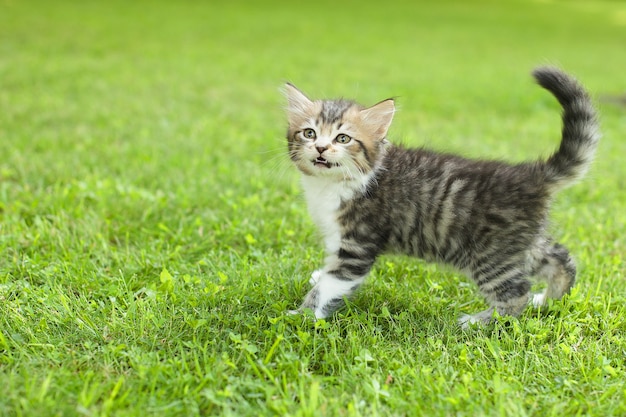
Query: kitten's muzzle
x: 322, y: 162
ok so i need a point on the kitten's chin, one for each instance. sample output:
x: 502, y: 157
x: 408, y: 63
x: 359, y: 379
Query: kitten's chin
x: 334, y: 173
x: 320, y: 169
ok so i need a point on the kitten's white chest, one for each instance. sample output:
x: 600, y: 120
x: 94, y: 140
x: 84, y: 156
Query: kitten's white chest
x: 323, y: 199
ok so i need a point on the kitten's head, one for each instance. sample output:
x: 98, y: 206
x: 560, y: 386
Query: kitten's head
x: 337, y: 139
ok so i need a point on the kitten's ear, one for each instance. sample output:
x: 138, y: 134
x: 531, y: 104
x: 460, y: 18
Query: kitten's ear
x: 379, y: 117
x: 298, y: 105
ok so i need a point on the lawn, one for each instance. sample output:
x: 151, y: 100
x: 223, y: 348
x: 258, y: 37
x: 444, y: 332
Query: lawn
x: 153, y: 233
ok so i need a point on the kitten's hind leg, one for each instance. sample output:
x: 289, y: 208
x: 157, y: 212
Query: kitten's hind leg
x: 558, y: 269
x: 507, y: 289
x: 483, y: 317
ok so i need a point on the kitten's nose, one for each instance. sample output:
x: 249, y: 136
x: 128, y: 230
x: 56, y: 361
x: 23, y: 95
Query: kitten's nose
x: 321, y: 149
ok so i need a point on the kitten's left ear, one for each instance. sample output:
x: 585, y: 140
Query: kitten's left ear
x: 297, y: 103
x: 379, y: 117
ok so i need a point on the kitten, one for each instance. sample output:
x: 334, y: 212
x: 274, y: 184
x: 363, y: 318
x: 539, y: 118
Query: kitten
x: 486, y: 218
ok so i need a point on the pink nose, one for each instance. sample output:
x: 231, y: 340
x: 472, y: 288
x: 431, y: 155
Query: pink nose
x: 321, y: 149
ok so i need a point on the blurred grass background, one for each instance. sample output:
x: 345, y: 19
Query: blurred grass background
x: 152, y: 230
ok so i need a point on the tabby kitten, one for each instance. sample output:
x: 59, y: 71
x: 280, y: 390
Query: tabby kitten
x: 486, y: 218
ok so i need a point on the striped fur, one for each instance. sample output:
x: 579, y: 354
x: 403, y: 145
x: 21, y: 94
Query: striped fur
x: 486, y: 218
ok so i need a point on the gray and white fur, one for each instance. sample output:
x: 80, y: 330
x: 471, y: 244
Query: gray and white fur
x: 488, y: 219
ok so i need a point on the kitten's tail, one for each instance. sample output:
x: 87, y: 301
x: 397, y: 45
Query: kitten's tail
x: 580, y: 133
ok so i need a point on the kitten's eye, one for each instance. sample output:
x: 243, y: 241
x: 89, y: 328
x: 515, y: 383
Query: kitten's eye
x: 309, y: 133
x: 343, y: 138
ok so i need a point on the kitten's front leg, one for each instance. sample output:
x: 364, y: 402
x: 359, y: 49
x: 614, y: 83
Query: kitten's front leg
x: 315, y: 276
x: 340, y: 277
x: 329, y: 294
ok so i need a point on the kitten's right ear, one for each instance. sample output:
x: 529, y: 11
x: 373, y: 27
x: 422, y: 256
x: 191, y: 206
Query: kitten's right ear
x: 379, y: 117
x: 298, y: 105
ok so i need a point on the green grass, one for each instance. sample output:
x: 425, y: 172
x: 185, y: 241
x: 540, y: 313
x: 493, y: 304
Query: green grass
x: 152, y: 232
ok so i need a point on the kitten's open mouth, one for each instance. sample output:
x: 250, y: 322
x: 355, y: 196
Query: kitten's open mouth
x: 321, y: 162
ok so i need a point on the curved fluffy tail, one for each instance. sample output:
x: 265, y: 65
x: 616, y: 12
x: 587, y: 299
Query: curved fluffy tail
x: 580, y: 128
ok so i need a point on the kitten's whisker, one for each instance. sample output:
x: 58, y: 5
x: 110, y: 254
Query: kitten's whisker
x: 277, y: 164
x: 272, y: 150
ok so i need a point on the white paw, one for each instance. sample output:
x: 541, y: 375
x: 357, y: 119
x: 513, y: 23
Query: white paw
x: 466, y: 320
x: 315, y: 277
x: 539, y: 299
x: 305, y: 313
x: 482, y: 318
